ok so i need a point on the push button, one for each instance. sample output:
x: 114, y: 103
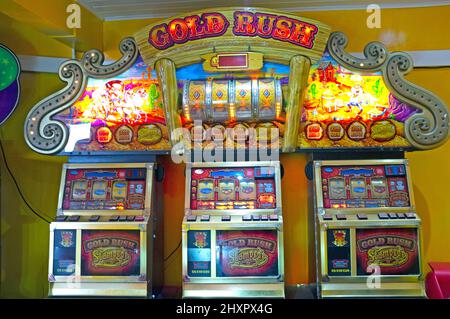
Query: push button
x: 362, y: 216
x: 94, y: 218
x: 401, y: 216
x: 327, y: 217
x: 139, y: 218
x: 273, y: 217
x: 114, y: 218
x: 341, y: 217
x: 130, y: 218
x: 256, y: 217
x: 226, y: 218
x: 410, y: 215
x: 264, y: 217
x: 392, y: 215
x: 191, y: 218
x: 204, y: 218
x: 60, y: 218
x: 74, y: 218
x: 247, y: 218
x: 383, y: 216
x: 122, y: 218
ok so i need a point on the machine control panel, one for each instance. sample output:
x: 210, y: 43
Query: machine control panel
x: 365, y: 217
x: 98, y: 218
x: 246, y: 219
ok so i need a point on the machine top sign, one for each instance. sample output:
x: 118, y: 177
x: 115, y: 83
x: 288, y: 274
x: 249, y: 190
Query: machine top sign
x: 278, y: 36
x: 246, y: 23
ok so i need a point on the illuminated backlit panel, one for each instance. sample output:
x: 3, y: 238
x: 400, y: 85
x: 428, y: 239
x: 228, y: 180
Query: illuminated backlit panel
x: 233, y: 188
x: 123, y: 113
x: 220, y: 104
x: 394, y: 250
x: 365, y: 186
x: 239, y: 253
x: 269, y: 98
x: 64, y: 252
x: 243, y: 98
x: 343, y: 108
x: 110, y: 253
x: 104, y: 189
x: 195, y: 103
x: 246, y: 253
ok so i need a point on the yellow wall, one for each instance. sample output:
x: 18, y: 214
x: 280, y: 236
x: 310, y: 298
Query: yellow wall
x: 25, y: 238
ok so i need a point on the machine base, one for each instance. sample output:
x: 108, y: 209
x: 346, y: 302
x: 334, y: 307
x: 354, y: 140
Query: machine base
x: 360, y: 290
x: 97, y: 289
x: 216, y: 290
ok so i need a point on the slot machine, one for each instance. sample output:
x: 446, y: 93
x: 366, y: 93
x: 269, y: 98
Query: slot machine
x: 229, y: 90
x: 360, y: 118
x: 102, y: 240
x: 368, y: 231
x: 232, y: 236
x: 107, y: 237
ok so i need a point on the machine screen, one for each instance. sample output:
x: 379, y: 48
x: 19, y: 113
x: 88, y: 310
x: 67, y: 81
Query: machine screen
x: 233, y: 188
x: 64, y: 252
x: 246, y: 253
x: 103, y: 189
x: 338, y: 252
x: 394, y: 250
x: 199, y: 253
x: 110, y: 253
x: 365, y: 186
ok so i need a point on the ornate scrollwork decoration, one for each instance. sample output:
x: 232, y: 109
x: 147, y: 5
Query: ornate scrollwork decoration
x: 428, y: 128
x: 47, y: 135
x: 44, y: 134
x: 375, y: 54
x: 93, y: 60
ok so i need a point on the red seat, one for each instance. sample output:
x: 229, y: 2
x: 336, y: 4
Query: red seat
x: 437, y: 282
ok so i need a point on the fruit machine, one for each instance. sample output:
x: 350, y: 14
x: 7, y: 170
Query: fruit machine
x: 232, y: 236
x: 368, y: 229
x: 234, y: 80
x: 102, y: 240
x: 360, y: 118
x: 106, y: 239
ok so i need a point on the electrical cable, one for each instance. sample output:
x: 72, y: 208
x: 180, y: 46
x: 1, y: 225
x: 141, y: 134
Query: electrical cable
x: 433, y: 67
x: 173, y: 251
x: 17, y: 186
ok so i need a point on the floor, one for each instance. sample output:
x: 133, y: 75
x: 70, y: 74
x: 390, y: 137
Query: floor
x: 292, y: 292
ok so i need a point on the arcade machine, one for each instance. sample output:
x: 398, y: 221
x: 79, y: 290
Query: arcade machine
x: 233, y: 230
x: 368, y: 229
x: 106, y: 239
x: 233, y: 78
x: 360, y: 116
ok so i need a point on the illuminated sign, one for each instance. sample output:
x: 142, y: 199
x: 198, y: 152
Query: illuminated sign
x: 9, y: 83
x: 246, y: 23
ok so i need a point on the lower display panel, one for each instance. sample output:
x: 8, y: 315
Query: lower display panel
x: 238, y: 262
x: 370, y: 261
x: 104, y: 259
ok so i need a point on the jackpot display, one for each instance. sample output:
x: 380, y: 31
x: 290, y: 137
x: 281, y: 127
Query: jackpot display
x: 232, y: 230
x: 367, y: 225
x: 107, y: 234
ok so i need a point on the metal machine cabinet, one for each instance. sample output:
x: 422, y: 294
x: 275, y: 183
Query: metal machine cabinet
x: 107, y: 237
x: 233, y: 231
x: 367, y: 231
